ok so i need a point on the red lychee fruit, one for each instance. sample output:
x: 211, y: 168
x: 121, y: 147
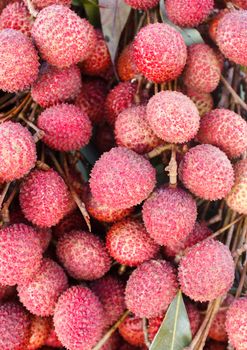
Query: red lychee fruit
x: 132, y: 330
x: 129, y: 244
x: 160, y: 52
x: 169, y: 215
x: 62, y: 37
x: 240, y: 3
x: 56, y: 85
x: 91, y: 99
x: 142, y: 4
x: 202, y: 70
x: 75, y: 310
x: 232, y: 36
x: 45, y: 198
x: 40, y: 293
x: 207, y: 172
x: 14, y: 326
x: 72, y: 221
x: 126, y: 66
x: 99, y: 60
x: 104, y: 138
x: 66, y: 127
x: 151, y: 288
x: 17, y: 151
x: 39, y: 331
x: 20, y: 254
x: 236, y: 323
x: 204, y: 102
x: 188, y: 13
x: 118, y: 99
x: 19, y: 61
x: 83, y: 255
x: 206, y: 271
x: 52, y: 339
x: 133, y: 131
x: 16, y: 16
x: 44, y: 236
x: 173, y: 116
x: 110, y: 291
x: 40, y: 4
x: 213, y: 24
x: 115, y: 175
x: 225, y: 129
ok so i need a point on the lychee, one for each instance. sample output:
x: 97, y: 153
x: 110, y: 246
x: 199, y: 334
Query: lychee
x: 160, y: 52
x: 207, y: 172
x: 236, y: 323
x: 44, y: 235
x: 19, y: 61
x: 62, y: 37
x: 17, y: 151
x: 132, y: 330
x: 122, y: 178
x: 204, y: 102
x: 214, y: 22
x: 40, y: 4
x: 83, y: 255
x: 142, y: 4
x: 173, y: 116
x: 206, y: 271
x: 126, y: 66
x: 16, y: 16
x: 72, y: 221
x: 151, y: 288
x: 39, y: 331
x: 75, y: 310
x: 240, y: 3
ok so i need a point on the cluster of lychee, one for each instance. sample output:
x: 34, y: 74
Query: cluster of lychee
x: 64, y: 282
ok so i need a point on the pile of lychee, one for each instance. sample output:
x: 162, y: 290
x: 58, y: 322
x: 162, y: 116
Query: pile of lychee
x: 114, y: 171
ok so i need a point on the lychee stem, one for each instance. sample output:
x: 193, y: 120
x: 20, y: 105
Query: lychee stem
x: 172, y: 168
x: 224, y: 228
x: 158, y: 150
x: 6, y: 205
x: 14, y: 111
x: 236, y: 97
x: 31, y: 8
x: 145, y: 332
x: 3, y: 194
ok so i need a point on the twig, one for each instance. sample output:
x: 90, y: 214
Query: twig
x: 2, y: 196
x: 172, y: 168
x: 234, y: 94
x: 145, y: 331
x: 31, y: 8
x: 158, y: 150
x: 242, y: 280
x: 7, y: 203
x: 223, y: 229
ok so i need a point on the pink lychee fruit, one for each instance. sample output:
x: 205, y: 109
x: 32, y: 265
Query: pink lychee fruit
x: 40, y: 4
x: 131, y: 329
x: 16, y: 16
x: 126, y: 66
x: 236, y: 323
x: 204, y: 102
x: 142, y: 4
x: 72, y: 221
x: 39, y: 331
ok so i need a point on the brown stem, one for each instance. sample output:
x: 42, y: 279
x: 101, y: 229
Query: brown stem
x: 172, y: 168
x: 42, y: 166
x: 3, y: 194
x: 158, y: 150
x: 145, y: 332
x: 13, y: 112
x: 6, y: 205
x: 242, y: 280
x: 31, y: 8
x: 237, y: 98
x: 223, y: 229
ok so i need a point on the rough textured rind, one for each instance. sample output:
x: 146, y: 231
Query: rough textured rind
x: 14, y: 326
x: 20, y: 254
x: 160, y: 52
x: 83, y: 255
x: 75, y: 310
x: 188, y: 13
x: 115, y: 176
x: 72, y: 221
x: 110, y: 291
x: 204, y: 102
x: 142, y: 4
x: 66, y: 127
x: 41, y: 292
x: 206, y: 271
x: 129, y: 244
x: 132, y: 330
x: 173, y: 116
x: 232, y: 36
x: 19, y: 61
x: 39, y: 331
x: 207, y: 172
x: 225, y: 129
x: 44, y: 198
x: 236, y: 323
x: 151, y: 288
x: 202, y: 70
x: 133, y: 131
x: 17, y: 151
x: 40, y: 4
x: 126, y: 66
x: 240, y: 3
x: 56, y: 85
x: 62, y: 37
x: 169, y: 215
x: 16, y: 16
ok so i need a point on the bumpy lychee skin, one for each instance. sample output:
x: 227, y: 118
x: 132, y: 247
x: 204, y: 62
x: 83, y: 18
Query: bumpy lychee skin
x: 62, y: 37
x: 115, y: 175
x: 40, y: 4
x: 202, y: 70
x: 75, y: 310
x: 118, y: 99
x: 160, y: 52
x: 14, y: 326
x: 66, y: 127
x: 45, y: 198
x: 173, y: 116
x: 17, y: 151
x: 44, y: 236
x: 20, y: 254
x: 142, y: 4
x: 126, y: 66
x: 142, y: 296
x: 132, y: 330
x: 206, y: 271
x: 40, y: 294
x: 19, y: 61
x: 232, y: 36
x: 110, y: 291
x: 236, y: 323
x: 225, y: 129
x: 169, y: 215
x: 129, y: 243
x: 188, y: 13
x: 16, y: 16
x: 72, y: 221
x: 236, y: 199
x: 204, y: 102
x: 133, y: 131
x: 39, y: 331
x: 207, y: 172
x: 56, y: 85
x: 240, y: 3
x: 83, y: 255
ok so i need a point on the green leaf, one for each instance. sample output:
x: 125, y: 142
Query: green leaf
x: 92, y: 10
x: 190, y: 35
x: 174, y: 332
x: 90, y: 153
